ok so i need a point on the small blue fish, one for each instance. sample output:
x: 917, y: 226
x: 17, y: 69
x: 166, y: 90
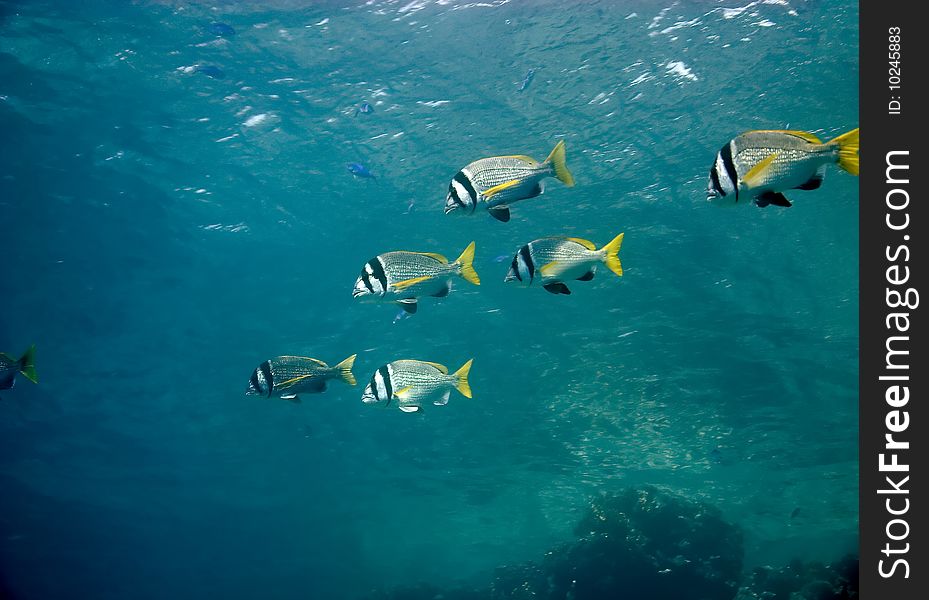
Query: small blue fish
x: 359, y: 170
x: 211, y: 71
x: 527, y: 80
x: 221, y: 30
x: 365, y: 108
x: 400, y: 316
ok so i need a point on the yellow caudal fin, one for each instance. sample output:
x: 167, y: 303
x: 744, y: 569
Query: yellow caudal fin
x: 461, y: 376
x: 611, y: 255
x: 465, y: 264
x: 848, y: 150
x: 27, y: 365
x: 345, y: 369
x: 557, y: 160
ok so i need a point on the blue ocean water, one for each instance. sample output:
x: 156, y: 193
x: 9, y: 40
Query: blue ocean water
x: 176, y: 207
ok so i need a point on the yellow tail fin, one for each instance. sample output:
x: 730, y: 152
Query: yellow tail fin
x: 611, y: 255
x: 345, y: 369
x: 848, y: 150
x: 466, y: 265
x: 557, y: 159
x: 462, y: 379
x: 27, y: 365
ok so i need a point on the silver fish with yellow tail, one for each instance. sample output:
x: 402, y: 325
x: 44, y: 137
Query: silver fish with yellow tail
x: 404, y: 277
x: 556, y: 260
x: 760, y: 165
x: 494, y: 183
x: 412, y: 384
x: 289, y: 376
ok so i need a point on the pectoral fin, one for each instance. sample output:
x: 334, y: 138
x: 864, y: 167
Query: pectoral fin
x: 756, y: 175
x: 501, y: 212
x: 402, y: 285
x: 403, y: 393
x: 490, y: 193
x: 775, y: 198
x: 551, y: 269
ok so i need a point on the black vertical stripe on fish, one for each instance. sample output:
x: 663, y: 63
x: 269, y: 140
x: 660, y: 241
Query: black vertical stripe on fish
x: 515, y: 267
x: 527, y: 258
x: 715, y: 177
x: 378, y: 270
x: 469, y: 187
x: 385, y: 377
x: 269, y: 378
x: 366, y: 274
x: 726, y: 153
x: 255, y: 383
x: 453, y: 192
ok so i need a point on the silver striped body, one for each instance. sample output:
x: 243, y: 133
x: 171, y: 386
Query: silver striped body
x: 574, y: 260
x: 419, y: 382
x: 402, y: 266
x: 798, y: 162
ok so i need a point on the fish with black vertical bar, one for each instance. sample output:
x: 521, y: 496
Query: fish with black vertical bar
x: 760, y: 165
x: 557, y: 260
x: 11, y: 367
x: 404, y: 277
x: 494, y: 183
x: 289, y: 376
x: 412, y: 384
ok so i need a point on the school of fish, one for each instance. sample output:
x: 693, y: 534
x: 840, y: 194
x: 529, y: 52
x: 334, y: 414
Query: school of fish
x: 755, y: 166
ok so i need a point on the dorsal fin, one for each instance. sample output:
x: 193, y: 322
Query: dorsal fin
x: 585, y: 243
x: 442, y: 368
x: 805, y: 135
x: 312, y: 360
x: 434, y: 255
x: 415, y: 361
x: 528, y: 159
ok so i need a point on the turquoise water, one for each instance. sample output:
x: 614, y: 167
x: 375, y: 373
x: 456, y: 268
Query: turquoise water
x: 164, y: 231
